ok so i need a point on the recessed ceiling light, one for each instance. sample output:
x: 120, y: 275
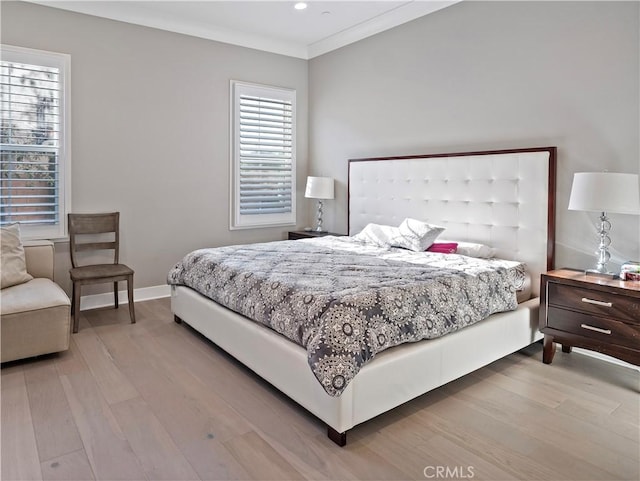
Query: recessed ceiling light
x: 300, y: 6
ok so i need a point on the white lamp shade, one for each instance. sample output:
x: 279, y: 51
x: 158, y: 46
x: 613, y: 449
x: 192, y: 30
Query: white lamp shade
x: 608, y: 192
x: 319, y: 188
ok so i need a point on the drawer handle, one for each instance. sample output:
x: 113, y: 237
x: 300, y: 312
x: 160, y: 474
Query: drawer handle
x: 597, y: 303
x: 597, y: 329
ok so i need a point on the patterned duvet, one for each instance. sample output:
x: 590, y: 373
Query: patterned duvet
x: 344, y: 301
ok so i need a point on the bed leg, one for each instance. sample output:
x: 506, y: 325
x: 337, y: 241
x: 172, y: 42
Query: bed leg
x: 177, y: 319
x: 339, y: 438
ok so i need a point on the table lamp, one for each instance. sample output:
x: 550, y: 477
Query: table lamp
x: 605, y: 192
x: 320, y: 188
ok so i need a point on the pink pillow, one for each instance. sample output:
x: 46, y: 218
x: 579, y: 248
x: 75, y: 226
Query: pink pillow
x: 443, y: 247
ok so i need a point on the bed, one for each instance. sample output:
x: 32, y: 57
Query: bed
x: 505, y: 199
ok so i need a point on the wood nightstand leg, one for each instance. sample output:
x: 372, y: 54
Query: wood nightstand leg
x: 548, y: 350
x: 566, y: 348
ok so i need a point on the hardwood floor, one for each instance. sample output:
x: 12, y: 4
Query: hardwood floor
x: 155, y: 400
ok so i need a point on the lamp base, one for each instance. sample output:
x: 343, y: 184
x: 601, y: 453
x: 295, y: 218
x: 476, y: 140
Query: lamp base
x: 604, y: 275
x: 319, y: 227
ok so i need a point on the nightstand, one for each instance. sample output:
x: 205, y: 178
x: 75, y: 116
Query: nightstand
x: 306, y: 234
x: 591, y: 312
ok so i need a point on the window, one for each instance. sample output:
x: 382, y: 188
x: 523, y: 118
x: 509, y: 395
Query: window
x: 263, y: 157
x: 34, y: 141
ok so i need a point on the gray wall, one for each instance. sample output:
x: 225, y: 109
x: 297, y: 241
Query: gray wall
x: 487, y: 75
x: 150, y: 130
x: 150, y: 112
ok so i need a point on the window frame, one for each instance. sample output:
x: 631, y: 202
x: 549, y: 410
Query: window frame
x: 237, y: 220
x: 62, y: 61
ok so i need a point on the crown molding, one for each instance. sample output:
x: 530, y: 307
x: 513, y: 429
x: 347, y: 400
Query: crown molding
x: 401, y: 14
x: 135, y: 13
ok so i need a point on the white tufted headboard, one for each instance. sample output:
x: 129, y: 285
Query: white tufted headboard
x: 505, y: 199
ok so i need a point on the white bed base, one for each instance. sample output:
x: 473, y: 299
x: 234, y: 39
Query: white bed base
x: 395, y: 377
x: 501, y: 209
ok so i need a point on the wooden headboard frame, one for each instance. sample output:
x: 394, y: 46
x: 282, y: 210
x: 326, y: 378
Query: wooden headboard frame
x: 487, y: 196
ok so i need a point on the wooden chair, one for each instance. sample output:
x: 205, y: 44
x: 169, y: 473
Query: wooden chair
x: 97, y: 225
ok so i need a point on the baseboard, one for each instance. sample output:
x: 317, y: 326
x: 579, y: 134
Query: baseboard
x: 604, y: 357
x: 142, y: 294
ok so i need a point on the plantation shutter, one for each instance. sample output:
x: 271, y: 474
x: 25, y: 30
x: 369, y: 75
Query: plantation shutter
x: 31, y: 137
x: 264, y: 156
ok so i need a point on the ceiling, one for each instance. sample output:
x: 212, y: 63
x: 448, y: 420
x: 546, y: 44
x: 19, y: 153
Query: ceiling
x: 272, y: 26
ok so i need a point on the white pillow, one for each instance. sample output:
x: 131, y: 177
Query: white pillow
x: 378, y: 235
x: 417, y: 235
x: 473, y: 249
x: 13, y: 266
x: 412, y: 234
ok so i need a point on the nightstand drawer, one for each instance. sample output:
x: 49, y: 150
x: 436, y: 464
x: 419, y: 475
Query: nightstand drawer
x: 594, y: 302
x: 597, y: 328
